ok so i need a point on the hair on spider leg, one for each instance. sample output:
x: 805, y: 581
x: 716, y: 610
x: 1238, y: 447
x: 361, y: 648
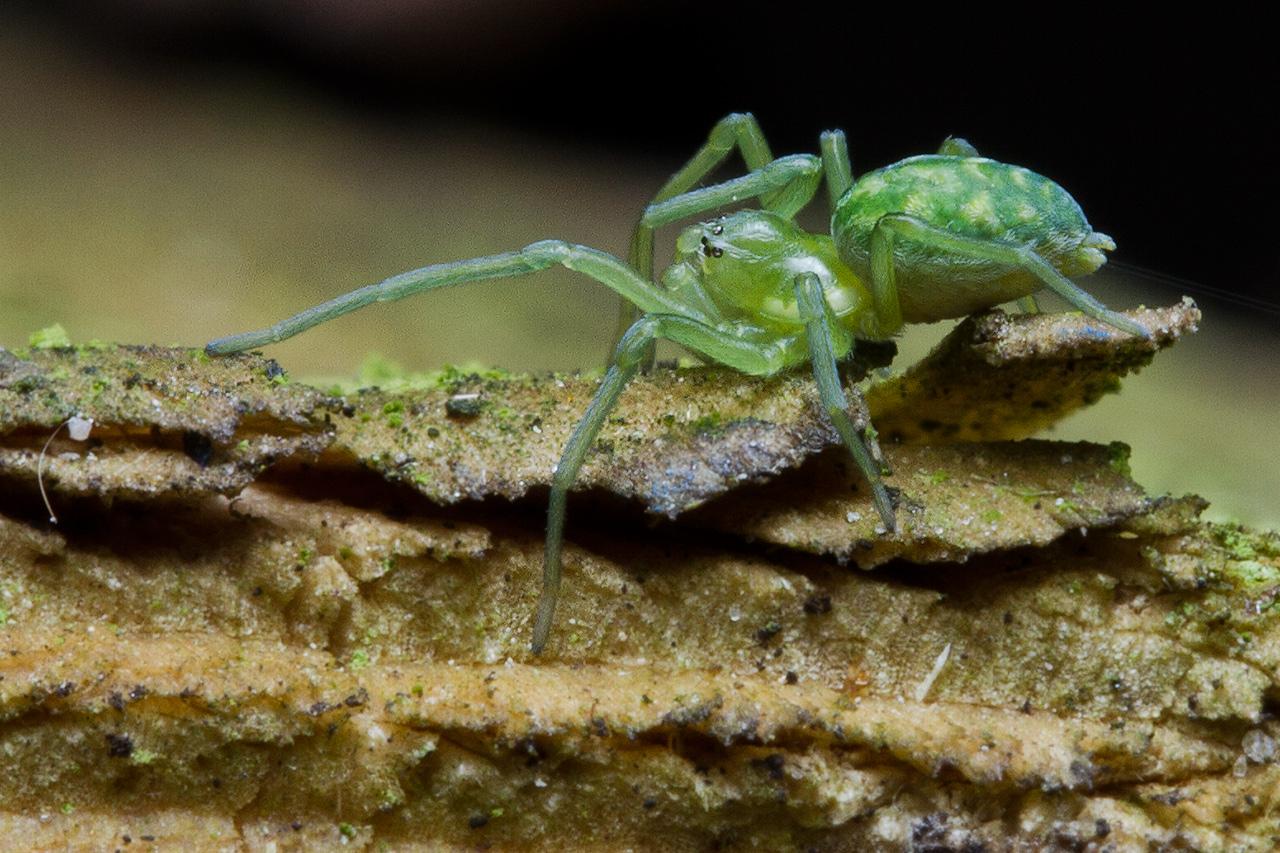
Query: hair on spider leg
x: 78, y: 428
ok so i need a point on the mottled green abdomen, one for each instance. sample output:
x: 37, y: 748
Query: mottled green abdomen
x: 970, y: 197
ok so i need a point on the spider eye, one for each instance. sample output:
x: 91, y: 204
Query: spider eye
x: 717, y: 229
x: 716, y: 251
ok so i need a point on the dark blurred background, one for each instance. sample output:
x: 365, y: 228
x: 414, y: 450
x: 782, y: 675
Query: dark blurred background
x: 173, y: 171
x: 1167, y: 128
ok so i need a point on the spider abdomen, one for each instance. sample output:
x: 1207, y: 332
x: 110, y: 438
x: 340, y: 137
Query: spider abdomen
x: 970, y: 197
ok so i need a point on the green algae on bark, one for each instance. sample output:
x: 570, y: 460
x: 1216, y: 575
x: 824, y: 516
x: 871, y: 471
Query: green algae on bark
x: 165, y: 421
x: 677, y: 440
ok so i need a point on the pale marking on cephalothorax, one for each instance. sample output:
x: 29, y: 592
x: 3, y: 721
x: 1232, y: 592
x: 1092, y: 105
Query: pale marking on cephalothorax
x: 840, y: 300
x: 774, y: 306
x: 1019, y: 176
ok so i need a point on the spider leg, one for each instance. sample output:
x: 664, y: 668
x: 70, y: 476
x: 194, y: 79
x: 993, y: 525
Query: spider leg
x: 835, y: 162
x: 883, y: 283
x: 794, y: 177
x: 901, y: 225
x: 740, y: 130
x: 1029, y: 304
x: 729, y: 349
x: 956, y: 146
x: 820, y: 330
x: 601, y: 266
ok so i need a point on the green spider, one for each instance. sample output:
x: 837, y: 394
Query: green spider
x: 928, y: 238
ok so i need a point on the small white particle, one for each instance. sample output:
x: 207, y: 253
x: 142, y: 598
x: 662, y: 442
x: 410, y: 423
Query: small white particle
x: 78, y: 428
x: 539, y: 782
x: 1059, y: 501
x: 941, y: 661
x: 881, y: 530
x: 1259, y: 746
x: 851, y: 517
x: 1048, y: 667
x: 1240, y: 768
x: 735, y: 613
x: 1066, y: 459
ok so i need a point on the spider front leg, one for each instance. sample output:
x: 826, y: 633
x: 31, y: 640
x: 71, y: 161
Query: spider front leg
x: 736, y: 130
x: 601, y: 266
x: 895, y: 225
x: 821, y: 331
x: 749, y: 356
x: 795, y: 177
